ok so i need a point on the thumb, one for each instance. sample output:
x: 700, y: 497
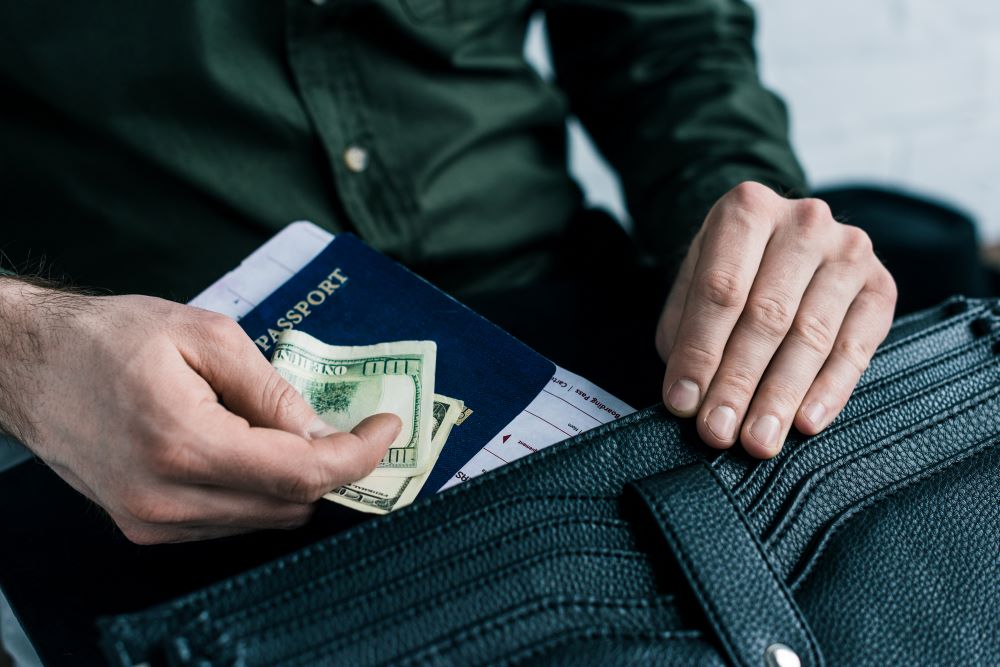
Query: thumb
x: 371, y: 439
x: 245, y: 382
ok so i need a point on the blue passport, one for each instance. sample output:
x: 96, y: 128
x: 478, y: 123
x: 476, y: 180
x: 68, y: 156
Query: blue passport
x: 351, y: 294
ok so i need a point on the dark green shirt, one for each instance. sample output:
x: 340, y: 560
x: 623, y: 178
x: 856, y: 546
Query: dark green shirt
x: 148, y: 146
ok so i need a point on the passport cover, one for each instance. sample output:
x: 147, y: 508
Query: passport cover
x: 351, y: 294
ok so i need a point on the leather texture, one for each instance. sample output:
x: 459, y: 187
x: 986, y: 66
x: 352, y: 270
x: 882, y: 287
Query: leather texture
x: 876, y: 542
x: 706, y: 533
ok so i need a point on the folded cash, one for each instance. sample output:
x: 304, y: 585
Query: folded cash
x: 379, y: 494
x: 345, y: 384
x: 465, y: 414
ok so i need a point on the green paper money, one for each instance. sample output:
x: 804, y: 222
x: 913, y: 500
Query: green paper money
x: 346, y: 384
x: 378, y: 494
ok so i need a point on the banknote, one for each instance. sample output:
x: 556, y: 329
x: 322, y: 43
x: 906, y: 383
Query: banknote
x: 378, y: 494
x: 345, y: 384
x: 465, y: 414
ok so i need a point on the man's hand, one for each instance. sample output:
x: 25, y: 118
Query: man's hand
x: 168, y: 416
x: 775, y: 313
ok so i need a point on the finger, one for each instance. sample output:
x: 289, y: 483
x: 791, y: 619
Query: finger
x: 184, y: 513
x: 790, y: 263
x: 670, y: 317
x: 730, y: 255
x: 144, y: 534
x: 799, y: 359
x: 74, y: 481
x: 221, y: 352
x: 193, y: 506
x: 865, y: 326
x: 286, y: 466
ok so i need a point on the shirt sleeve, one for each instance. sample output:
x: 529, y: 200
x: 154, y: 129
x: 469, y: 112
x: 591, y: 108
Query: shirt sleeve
x: 669, y: 90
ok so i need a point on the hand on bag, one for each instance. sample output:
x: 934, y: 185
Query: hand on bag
x: 168, y: 416
x: 776, y: 312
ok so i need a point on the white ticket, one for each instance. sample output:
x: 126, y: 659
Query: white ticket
x: 568, y: 406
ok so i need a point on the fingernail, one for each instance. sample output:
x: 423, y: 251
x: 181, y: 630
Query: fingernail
x: 814, y: 413
x: 721, y: 422
x: 683, y: 396
x: 765, y: 431
x: 320, y: 429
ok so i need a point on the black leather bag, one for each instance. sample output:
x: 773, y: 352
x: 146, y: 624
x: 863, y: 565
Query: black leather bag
x: 874, y: 543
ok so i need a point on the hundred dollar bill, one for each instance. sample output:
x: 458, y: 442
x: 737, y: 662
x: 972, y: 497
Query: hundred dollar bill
x: 378, y: 494
x: 345, y: 384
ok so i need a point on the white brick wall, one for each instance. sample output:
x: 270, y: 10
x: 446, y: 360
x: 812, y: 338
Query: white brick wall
x: 903, y: 92
x: 897, y: 92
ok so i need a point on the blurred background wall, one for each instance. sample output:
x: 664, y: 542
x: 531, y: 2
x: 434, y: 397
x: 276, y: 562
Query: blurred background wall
x: 900, y: 92
x: 893, y: 92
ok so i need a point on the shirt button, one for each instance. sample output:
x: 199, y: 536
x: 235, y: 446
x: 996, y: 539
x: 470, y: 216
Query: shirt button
x: 356, y: 159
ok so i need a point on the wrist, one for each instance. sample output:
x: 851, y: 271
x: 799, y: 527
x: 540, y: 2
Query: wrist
x: 31, y: 316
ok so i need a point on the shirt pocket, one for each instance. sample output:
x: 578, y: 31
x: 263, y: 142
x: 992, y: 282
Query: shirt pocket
x: 450, y: 12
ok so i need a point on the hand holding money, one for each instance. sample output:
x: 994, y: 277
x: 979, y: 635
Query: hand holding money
x: 167, y: 416
x: 344, y: 384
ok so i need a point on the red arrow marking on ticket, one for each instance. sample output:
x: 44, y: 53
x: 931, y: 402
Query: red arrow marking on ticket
x: 506, y: 438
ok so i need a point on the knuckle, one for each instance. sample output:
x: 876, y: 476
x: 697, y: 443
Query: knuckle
x: 781, y: 398
x: 813, y: 213
x: 218, y: 327
x: 140, y: 535
x: 885, y: 285
x: 692, y: 355
x: 814, y: 332
x: 750, y: 194
x: 769, y: 316
x: 853, y: 352
x: 304, y: 488
x: 722, y: 288
x: 739, y: 383
x: 857, y: 244
x: 298, y: 515
x: 285, y: 402
x: 150, y: 509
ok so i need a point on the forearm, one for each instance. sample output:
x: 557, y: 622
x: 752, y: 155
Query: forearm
x: 20, y: 343
x: 32, y: 312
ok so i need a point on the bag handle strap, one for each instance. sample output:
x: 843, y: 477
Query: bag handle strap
x: 749, y: 607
